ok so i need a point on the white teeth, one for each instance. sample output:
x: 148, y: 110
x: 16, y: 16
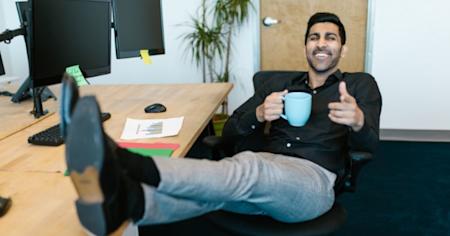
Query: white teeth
x: 321, y: 55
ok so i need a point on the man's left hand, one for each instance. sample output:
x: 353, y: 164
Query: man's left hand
x: 346, y: 112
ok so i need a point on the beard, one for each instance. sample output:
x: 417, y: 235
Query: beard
x: 322, y: 67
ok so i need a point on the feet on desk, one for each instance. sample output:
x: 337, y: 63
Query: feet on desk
x: 107, y: 197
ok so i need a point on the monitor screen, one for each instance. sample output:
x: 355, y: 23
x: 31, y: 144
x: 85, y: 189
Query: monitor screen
x: 138, y: 26
x: 2, y: 69
x: 66, y: 33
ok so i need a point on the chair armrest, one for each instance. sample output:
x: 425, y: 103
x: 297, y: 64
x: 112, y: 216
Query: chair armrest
x: 226, y: 146
x: 213, y: 141
x: 219, y: 146
x: 358, y: 160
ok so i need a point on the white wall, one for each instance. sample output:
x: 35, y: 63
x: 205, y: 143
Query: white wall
x: 245, y: 60
x: 410, y: 60
x: 410, y: 45
x: 173, y: 67
x: 14, y: 55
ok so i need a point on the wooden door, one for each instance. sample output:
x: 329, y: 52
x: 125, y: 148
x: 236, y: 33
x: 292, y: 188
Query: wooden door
x: 282, y: 44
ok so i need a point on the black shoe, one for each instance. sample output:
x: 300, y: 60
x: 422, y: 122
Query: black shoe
x: 69, y: 98
x: 107, y: 198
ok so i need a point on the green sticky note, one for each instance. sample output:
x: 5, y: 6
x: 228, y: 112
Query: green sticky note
x: 76, y: 73
x: 152, y: 152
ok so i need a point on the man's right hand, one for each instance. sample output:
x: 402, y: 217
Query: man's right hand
x: 272, y: 107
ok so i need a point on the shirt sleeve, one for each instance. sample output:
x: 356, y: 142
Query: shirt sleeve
x: 368, y: 97
x: 243, y: 121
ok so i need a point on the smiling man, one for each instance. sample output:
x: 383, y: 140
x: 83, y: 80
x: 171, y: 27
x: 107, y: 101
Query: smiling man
x: 292, y: 181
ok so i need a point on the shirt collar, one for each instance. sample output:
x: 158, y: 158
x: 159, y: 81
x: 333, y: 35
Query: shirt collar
x: 332, y: 78
x: 338, y: 75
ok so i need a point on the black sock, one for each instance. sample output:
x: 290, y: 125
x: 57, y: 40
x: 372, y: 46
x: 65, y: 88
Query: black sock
x: 126, y: 196
x: 138, y: 167
x: 135, y: 199
x: 123, y: 196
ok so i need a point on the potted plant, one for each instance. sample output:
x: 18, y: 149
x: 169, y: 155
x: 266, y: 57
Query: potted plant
x: 210, y: 42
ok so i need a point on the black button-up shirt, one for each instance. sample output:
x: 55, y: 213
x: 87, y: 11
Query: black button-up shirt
x: 320, y: 140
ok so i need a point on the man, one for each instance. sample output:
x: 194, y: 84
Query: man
x: 293, y: 181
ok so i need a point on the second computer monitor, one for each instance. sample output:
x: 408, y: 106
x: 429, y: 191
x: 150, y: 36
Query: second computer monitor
x: 66, y: 33
x: 138, y: 26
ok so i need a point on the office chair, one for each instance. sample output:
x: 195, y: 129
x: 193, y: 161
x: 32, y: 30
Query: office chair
x: 239, y: 224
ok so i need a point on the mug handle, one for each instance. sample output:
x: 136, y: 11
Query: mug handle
x: 283, y: 115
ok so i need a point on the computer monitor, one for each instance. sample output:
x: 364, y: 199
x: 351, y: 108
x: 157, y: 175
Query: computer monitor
x: 24, y: 91
x: 66, y: 33
x: 138, y: 26
x: 2, y: 69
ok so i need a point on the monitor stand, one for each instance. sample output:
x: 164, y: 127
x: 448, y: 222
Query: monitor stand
x: 25, y: 92
x: 38, y: 110
x: 39, y: 95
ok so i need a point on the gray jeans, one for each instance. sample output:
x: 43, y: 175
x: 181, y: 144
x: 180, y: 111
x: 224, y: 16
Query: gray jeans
x: 285, y: 188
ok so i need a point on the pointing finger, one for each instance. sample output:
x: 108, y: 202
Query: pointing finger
x: 345, y: 96
x: 343, y: 89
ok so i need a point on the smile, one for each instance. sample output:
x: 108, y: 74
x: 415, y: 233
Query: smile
x: 321, y: 55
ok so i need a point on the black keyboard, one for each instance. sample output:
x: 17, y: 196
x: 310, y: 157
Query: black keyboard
x: 52, y: 136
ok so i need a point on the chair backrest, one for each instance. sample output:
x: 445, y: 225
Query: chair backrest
x: 261, y: 77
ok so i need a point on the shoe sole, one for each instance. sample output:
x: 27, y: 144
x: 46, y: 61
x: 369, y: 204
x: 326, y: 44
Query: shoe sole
x: 85, y: 155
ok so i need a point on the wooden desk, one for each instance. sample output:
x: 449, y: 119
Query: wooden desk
x: 15, y: 117
x: 43, y: 204
x: 43, y: 199
x: 196, y: 102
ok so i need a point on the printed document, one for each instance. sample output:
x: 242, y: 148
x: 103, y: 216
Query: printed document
x: 155, y: 128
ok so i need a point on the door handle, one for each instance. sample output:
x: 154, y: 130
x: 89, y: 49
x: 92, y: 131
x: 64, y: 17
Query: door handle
x: 269, y: 21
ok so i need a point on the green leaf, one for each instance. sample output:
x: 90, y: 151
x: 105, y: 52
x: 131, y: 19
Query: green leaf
x: 210, y: 41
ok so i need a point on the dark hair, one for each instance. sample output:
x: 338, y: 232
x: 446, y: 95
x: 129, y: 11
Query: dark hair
x: 323, y: 17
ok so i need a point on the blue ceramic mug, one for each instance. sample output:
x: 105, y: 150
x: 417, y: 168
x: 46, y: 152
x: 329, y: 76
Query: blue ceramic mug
x: 297, y: 108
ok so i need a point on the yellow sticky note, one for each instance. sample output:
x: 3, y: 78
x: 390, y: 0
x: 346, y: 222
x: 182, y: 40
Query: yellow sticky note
x: 146, y: 57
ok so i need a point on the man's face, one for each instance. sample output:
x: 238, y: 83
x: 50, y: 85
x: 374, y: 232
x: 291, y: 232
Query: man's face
x: 323, y: 47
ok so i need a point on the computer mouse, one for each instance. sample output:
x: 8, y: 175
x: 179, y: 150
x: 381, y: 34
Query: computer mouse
x: 155, y: 108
